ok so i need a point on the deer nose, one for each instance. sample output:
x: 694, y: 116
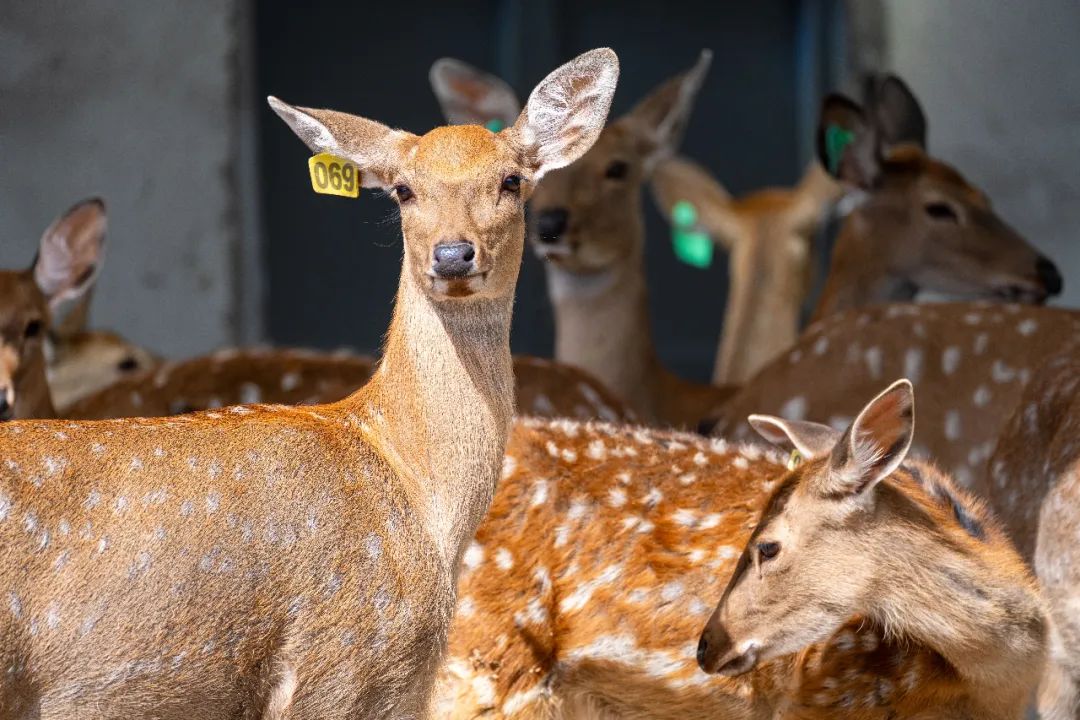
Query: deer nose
x: 453, y: 259
x: 551, y: 224
x: 1048, y: 276
x: 7, y: 403
x: 702, y: 651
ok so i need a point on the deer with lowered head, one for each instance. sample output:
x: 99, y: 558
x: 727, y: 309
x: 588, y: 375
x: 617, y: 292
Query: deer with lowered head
x: 296, y: 562
x: 588, y: 583
x: 856, y: 531
x: 589, y: 228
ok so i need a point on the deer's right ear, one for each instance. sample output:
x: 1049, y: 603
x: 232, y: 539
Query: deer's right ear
x: 71, y: 252
x: 896, y: 112
x: 812, y: 440
x: 376, y: 149
x: 567, y: 111
x: 846, y: 145
x: 469, y: 96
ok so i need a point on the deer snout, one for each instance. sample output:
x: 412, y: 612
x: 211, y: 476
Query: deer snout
x: 1049, y: 276
x: 7, y: 402
x: 551, y: 224
x: 453, y: 260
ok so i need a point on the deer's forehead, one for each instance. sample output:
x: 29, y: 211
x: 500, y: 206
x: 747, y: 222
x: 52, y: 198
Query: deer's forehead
x: 460, y: 152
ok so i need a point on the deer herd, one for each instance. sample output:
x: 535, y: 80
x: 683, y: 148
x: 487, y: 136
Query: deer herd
x: 453, y: 531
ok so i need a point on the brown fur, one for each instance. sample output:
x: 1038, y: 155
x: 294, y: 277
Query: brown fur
x: 969, y: 362
x: 276, y: 561
x: 853, y: 533
x: 769, y: 235
x: 1034, y: 484
x: 294, y: 377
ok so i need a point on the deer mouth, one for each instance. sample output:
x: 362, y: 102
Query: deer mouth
x: 461, y: 287
x: 740, y: 664
x: 1027, y: 294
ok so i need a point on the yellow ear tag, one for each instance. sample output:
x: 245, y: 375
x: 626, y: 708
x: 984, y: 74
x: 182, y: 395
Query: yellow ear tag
x: 331, y: 175
x: 794, y: 460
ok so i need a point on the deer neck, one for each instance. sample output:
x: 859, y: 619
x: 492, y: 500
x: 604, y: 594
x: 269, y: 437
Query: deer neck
x: 862, y: 271
x: 986, y: 621
x: 602, y: 326
x: 33, y: 399
x: 441, y: 403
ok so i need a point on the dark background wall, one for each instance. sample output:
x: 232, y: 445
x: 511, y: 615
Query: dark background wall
x: 332, y: 263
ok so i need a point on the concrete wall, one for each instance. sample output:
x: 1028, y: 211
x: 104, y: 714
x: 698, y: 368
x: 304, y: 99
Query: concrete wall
x: 136, y: 102
x: 1000, y: 82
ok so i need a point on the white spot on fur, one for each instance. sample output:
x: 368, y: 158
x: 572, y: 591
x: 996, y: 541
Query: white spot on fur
x: 290, y: 381
x: 1027, y: 326
x: 504, y: 559
x: 913, y: 360
x: 952, y: 425
x: 794, y: 408
x: 982, y: 396
x: 540, y: 493
x: 873, y: 364
x: 616, y: 497
x: 821, y: 345
x: 474, y: 556
x: 509, y: 465
x: 950, y: 359
x: 580, y: 597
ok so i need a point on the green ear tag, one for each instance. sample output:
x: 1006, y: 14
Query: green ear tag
x: 495, y: 125
x: 836, y: 140
x: 692, y: 246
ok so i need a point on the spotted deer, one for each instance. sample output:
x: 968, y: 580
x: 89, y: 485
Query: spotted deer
x: 970, y: 362
x: 587, y: 586
x: 921, y: 228
x: 589, y: 229
x: 68, y: 258
x: 295, y: 562
x: 856, y: 531
x: 299, y: 377
x: 1034, y: 485
x: 768, y: 235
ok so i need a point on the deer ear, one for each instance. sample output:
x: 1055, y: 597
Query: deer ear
x: 71, y: 252
x: 567, y: 111
x: 896, y: 113
x: 469, y: 96
x: 846, y: 143
x: 812, y: 440
x: 660, y: 119
x: 376, y: 149
x: 676, y: 179
x: 874, y: 445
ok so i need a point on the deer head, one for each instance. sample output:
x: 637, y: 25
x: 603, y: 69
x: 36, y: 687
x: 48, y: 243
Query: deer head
x: 66, y: 265
x: 923, y: 227
x: 805, y: 570
x: 458, y: 246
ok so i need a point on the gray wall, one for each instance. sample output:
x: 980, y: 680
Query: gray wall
x: 133, y: 101
x: 1000, y: 84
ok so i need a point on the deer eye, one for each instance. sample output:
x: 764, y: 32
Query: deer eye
x: 127, y: 364
x: 512, y: 184
x: 941, y: 211
x: 768, y: 550
x: 616, y: 170
x: 33, y: 329
x: 403, y: 192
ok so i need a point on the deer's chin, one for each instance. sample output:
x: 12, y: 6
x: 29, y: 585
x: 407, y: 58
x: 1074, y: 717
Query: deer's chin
x: 458, y: 288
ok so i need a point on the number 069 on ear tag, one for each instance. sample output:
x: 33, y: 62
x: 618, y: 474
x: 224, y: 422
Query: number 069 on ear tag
x: 331, y: 175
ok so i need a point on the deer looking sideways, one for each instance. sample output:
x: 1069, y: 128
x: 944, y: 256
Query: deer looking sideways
x: 584, y: 594
x: 589, y: 229
x: 300, y: 562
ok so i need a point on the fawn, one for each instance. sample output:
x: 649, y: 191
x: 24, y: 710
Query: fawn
x: 589, y: 229
x: 585, y: 591
x: 852, y: 531
x: 769, y: 236
x: 299, y: 562
x: 68, y: 259
x: 1033, y: 484
x: 921, y: 227
x: 970, y: 361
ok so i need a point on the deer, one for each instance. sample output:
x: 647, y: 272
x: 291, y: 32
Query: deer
x: 285, y: 376
x: 296, y: 562
x: 586, y: 589
x: 769, y: 236
x: 1033, y: 483
x: 588, y: 227
x: 69, y: 256
x: 971, y: 362
x: 853, y: 530
x: 921, y: 227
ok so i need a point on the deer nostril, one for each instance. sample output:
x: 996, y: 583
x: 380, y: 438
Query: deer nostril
x: 551, y: 224
x: 6, y: 407
x: 702, y: 648
x: 1049, y: 275
x: 453, y: 259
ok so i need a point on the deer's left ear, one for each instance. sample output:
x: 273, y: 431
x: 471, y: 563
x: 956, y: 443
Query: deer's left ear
x: 469, y: 96
x: 71, y: 252
x: 812, y: 440
x: 874, y: 445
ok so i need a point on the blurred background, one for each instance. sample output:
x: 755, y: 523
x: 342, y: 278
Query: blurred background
x: 217, y: 239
